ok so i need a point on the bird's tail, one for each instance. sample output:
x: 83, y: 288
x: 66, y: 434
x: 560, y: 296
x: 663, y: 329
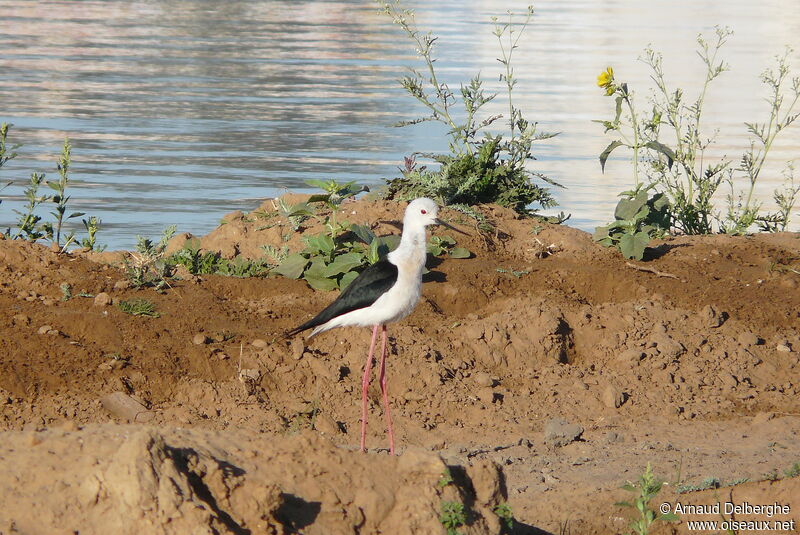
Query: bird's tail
x: 292, y: 332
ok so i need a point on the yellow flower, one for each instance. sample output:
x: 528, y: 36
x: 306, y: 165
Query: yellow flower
x: 606, y: 79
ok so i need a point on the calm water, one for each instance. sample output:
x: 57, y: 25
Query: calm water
x: 182, y: 111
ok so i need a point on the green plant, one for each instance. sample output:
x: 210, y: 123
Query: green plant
x: 504, y: 512
x: 742, y: 214
x: 92, y: 226
x: 446, y: 479
x: 331, y: 261
x: 28, y: 223
x: 138, y: 307
x: 645, y: 490
x: 6, y: 153
x: 452, y: 516
x: 514, y: 273
x: 66, y: 291
x: 277, y: 255
x: 208, y: 262
x: 148, y: 266
x: 195, y: 262
x: 793, y: 471
x: 477, y: 170
x: 60, y: 198
x: 707, y: 483
x: 295, y: 214
x: 335, y: 193
x: 637, y: 219
x: 785, y: 198
x: 242, y: 268
x: 681, y: 170
x: 439, y: 245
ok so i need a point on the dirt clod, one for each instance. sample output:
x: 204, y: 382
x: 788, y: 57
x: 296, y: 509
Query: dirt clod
x: 102, y: 299
x: 558, y: 432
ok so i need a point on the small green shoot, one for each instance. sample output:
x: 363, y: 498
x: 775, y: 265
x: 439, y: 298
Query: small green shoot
x: 707, y: 483
x: 6, y: 153
x: 138, y: 307
x: 66, y: 291
x: 295, y: 214
x: 793, y: 471
x: 516, y: 274
x: 92, y: 225
x: 28, y: 226
x: 439, y: 245
x: 645, y: 489
x: 504, y: 513
x: 148, y: 266
x: 772, y: 475
x: 446, y: 479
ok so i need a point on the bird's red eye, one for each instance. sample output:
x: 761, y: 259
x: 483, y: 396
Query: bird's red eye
x: 423, y: 211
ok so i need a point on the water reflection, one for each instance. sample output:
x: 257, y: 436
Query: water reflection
x: 183, y: 111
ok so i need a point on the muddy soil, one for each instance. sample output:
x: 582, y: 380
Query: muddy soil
x: 545, y: 371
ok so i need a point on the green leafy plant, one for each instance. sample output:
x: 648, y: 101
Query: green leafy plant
x: 295, y: 214
x: 793, y: 471
x: 60, y: 198
x: 335, y: 193
x: 6, y: 153
x: 452, y: 516
x: 638, y: 218
x: 138, y: 307
x: 645, y: 490
x: 446, y: 479
x: 679, y: 168
x: 516, y: 274
x: 92, y: 226
x: 439, y: 245
x: 277, y: 255
x: 744, y: 212
x: 785, y: 198
x: 199, y: 262
x: 707, y: 483
x: 332, y: 260
x: 504, y: 513
x: 477, y: 170
x: 66, y: 291
x: 28, y: 226
x: 242, y: 268
x: 148, y: 266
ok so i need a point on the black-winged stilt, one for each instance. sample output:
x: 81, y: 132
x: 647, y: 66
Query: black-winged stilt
x: 385, y: 292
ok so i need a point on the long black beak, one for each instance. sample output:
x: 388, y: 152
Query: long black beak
x: 451, y: 227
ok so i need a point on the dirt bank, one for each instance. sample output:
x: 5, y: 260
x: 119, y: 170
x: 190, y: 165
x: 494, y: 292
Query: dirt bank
x: 689, y: 361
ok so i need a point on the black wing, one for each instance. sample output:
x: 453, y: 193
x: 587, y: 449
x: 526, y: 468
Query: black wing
x: 362, y: 292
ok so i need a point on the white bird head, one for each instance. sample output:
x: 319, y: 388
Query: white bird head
x: 421, y: 212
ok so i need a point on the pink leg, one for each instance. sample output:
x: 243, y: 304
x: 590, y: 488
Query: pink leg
x: 364, y: 386
x: 385, y: 392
